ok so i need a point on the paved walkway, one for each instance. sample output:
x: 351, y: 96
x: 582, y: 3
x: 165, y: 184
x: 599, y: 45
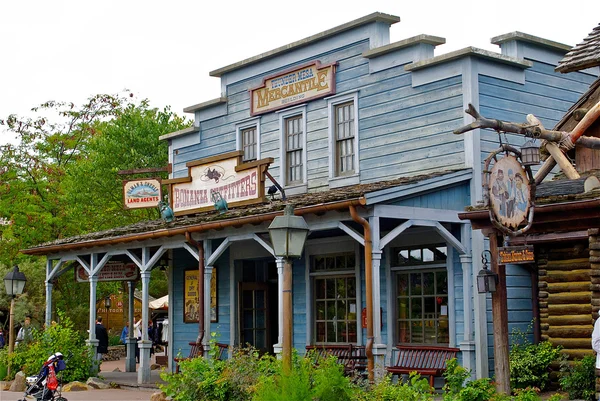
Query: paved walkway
x: 127, y: 382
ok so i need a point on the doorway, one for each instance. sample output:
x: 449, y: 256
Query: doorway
x: 258, y: 304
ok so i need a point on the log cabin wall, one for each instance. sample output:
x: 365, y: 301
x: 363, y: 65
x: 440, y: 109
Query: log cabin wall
x: 565, y: 296
x: 587, y: 159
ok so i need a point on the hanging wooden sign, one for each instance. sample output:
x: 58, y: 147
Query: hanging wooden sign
x: 516, y: 255
x: 142, y: 193
x: 509, y: 191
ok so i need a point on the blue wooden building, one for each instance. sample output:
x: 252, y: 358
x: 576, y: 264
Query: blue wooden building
x: 357, y: 131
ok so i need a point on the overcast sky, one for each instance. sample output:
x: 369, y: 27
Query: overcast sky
x: 69, y: 50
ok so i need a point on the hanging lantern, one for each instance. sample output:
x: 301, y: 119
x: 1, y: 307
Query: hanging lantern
x: 530, y: 153
x: 486, y: 279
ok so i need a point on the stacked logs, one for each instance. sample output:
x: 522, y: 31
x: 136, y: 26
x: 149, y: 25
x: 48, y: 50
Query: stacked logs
x: 565, y: 297
x: 594, y: 238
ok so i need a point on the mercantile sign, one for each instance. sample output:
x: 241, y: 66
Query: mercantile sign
x: 310, y: 81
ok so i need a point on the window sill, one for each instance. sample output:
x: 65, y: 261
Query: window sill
x: 295, y: 189
x: 337, y: 182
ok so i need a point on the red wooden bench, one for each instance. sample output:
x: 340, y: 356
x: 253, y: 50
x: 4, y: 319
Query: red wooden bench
x: 196, y: 351
x: 425, y: 360
x: 347, y: 355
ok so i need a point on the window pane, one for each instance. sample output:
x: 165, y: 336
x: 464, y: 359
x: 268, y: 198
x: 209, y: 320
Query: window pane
x: 341, y: 290
x: 321, y: 332
x: 442, y: 282
x: 261, y: 339
x: 249, y: 144
x: 344, y: 135
x: 320, y: 288
x: 417, y: 331
x: 259, y: 298
x: 428, y: 283
x: 331, y: 337
x: 402, y: 288
x: 427, y: 255
x: 352, y: 288
x: 416, y: 287
x: 320, y: 308
x: 416, y: 308
x: 331, y: 288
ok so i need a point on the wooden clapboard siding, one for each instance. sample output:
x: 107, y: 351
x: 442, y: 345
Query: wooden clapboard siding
x: 565, y: 295
x: 519, y: 305
x: 299, y: 303
x: 183, y: 333
x: 452, y: 198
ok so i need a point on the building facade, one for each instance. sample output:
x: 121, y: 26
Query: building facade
x: 358, y: 132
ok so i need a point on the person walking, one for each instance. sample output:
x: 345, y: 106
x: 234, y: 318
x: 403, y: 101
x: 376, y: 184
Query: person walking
x: 102, y: 337
x: 125, y: 333
x: 24, y: 335
x: 2, y: 339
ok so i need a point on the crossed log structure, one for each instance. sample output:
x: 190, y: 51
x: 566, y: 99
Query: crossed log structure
x: 557, y: 142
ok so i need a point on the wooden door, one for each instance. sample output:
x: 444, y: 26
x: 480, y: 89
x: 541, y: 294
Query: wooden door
x: 255, y: 327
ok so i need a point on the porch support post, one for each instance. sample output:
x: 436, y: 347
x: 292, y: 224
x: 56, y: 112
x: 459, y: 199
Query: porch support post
x: 208, y: 271
x: 131, y: 342
x: 467, y: 346
x: 145, y: 344
x: 379, y: 349
x: 500, y: 320
x: 92, y: 341
x: 48, y: 317
x: 479, y: 310
x: 278, y: 347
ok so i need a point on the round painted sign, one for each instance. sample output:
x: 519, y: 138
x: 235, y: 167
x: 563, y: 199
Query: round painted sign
x: 509, y: 192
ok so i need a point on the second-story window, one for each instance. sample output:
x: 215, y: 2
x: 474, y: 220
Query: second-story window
x: 344, y: 138
x: 249, y: 144
x: 294, y: 141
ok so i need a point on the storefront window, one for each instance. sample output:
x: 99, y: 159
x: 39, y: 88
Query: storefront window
x: 421, y: 296
x: 335, y: 299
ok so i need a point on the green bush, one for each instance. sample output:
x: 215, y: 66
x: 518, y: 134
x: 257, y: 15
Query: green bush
x: 530, y: 363
x: 579, y: 378
x: 63, y: 338
x: 114, y: 340
x: 415, y: 389
x: 456, y: 388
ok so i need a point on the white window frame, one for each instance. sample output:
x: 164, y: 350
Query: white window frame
x: 254, y: 122
x: 334, y: 180
x: 283, y: 115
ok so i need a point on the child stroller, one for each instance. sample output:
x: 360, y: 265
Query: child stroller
x: 45, y: 386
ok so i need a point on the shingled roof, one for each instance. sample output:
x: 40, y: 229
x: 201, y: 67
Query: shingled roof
x: 128, y: 233
x: 585, y: 55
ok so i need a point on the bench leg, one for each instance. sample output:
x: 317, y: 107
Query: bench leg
x: 431, y: 380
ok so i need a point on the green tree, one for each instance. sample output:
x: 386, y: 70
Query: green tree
x: 60, y: 179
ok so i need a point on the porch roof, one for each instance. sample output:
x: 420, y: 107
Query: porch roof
x: 314, y: 202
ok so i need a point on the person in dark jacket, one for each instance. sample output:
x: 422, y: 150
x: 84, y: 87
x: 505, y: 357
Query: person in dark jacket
x: 102, y: 337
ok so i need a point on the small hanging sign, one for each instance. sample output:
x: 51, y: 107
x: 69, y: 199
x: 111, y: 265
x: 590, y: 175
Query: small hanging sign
x: 516, y: 255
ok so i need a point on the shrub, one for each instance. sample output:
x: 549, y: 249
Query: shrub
x: 308, y: 381
x: 63, y: 338
x: 530, y: 363
x: 579, y: 378
x: 415, y: 389
x: 456, y: 389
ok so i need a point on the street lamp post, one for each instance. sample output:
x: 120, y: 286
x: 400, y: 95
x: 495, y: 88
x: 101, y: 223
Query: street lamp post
x: 288, y: 235
x: 14, y: 282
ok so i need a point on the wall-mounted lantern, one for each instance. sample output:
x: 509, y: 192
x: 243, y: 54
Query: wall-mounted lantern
x: 486, y: 279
